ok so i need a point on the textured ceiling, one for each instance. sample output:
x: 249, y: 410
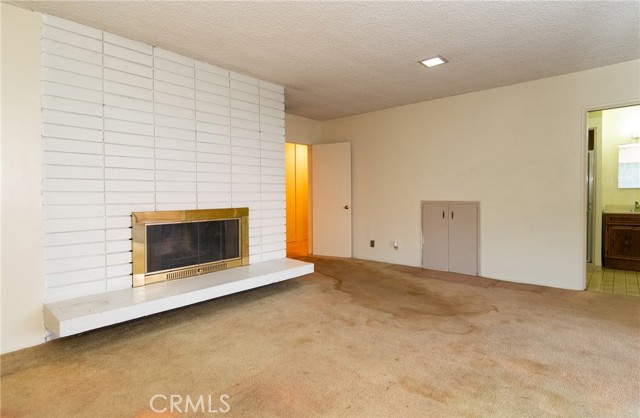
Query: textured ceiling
x: 342, y: 58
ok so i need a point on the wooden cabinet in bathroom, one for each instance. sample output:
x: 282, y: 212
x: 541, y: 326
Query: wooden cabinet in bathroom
x: 621, y: 238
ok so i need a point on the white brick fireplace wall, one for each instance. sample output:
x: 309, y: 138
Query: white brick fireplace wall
x: 130, y: 127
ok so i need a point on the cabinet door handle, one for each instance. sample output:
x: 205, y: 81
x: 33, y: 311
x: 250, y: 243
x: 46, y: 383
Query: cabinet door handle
x: 451, y: 214
x: 442, y: 214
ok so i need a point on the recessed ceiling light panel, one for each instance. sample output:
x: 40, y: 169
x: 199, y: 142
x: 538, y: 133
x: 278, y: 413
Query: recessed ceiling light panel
x: 432, y: 62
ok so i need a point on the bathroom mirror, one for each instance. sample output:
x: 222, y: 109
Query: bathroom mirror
x: 629, y: 166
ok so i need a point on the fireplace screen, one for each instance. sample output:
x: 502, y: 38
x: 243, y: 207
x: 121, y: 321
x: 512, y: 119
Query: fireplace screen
x: 175, y: 244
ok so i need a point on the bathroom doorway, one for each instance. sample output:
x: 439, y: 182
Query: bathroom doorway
x: 297, y: 192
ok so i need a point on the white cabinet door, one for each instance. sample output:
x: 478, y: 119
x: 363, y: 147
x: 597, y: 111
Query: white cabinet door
x: 435, y: 235
x: 450, y: 237
x: 463, y: 238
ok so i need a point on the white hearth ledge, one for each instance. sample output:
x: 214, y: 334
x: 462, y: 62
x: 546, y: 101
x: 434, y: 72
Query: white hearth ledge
x: 73, y: 316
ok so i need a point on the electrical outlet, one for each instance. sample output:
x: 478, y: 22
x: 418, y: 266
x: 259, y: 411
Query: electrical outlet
x: 372, y: 243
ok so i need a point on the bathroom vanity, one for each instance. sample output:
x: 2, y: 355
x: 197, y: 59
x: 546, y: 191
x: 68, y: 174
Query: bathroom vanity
x: 621, y: 240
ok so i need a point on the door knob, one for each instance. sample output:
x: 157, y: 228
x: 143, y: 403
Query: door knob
x: 346, y: 206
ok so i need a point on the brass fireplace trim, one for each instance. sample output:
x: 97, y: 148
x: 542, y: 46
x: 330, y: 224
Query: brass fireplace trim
x: 139, y: 221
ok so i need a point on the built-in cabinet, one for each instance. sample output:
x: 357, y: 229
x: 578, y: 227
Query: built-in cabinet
x: 622, y: 241
x: 450, y: 236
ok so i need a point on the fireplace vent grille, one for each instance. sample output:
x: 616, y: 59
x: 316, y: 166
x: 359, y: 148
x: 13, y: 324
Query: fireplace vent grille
x: 196, y: 271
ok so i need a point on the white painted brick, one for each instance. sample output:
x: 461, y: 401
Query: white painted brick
x: 171, y: 197
x: 175, y: 89
x: 71, y: 132
x: 167, y: 132
x: 65, y: 145
x: 243, y: 78
x: 118, y: 246
x: 245, y: 187
x: 182, y: 176
x: 179, y: 80
x: 128, y: 102
x: 245, y: 133
x: 127, y: 54
x: 273, y: 196
x: 127, y: 43
x: 124, y: 138
x: 71, y: 277
x: 211, y: 118
x: 71, y: 92
x: 214, y: 187
x: 71, y: 105
x: 274, y: 255
x: 69, y: 225
x: 128, y: 186
x: 213, y: 148
x: 215, y: 108
x: 276, y: 246
x: 255, y: 258
x: 268, y: 111
x: 214, y: 197
x: 70, y: 238
x: 274, y: 213
x: 64, y: 36
x: 272, y: 87
x: 121, y: 210
x: 66, y: 158
x: 128, y: 162
x: 128, y: 127
x: 172, y: 56
x: 210, y: 177
x: 118, y: 222
x: 128, y: 114
x: 172, y: 99
x: 245, y: 124
x: 207, y: 137
x: 118, y: 234
x: 206, y: 97
x: 213, y: 158
x: 71, y: 26
x: 69, y: 292
x: 175, y: 144
x: 73, y: 211
x: 264, y: 102
x: 245, y: 152
x: 70, y: 251
x: 268, y: 137
x: 244, y: 114
x: 175, y: 165
x: 128, y: 151
x: 71, y: 65
x: 279, y: 122
x: 71, y: 79
x: 128, y: 66
x: 272, y: 171
x: 72, y: 185
x: 272, y: 146
x: 175, y: 186
x: 273, y: 205
x: 171, y: 154
x: 273, y: 230
x: 279, y: 179
x: 245, y: 169
x: 213, y: 205
x: 118, y: 258
x: 174, y: 67
x: 239, y: 160
x: 71, y: 119
x: 118, y: 271
x: 278, y: 130
x: 128, y: 79
x: 172, y: 122
x: 245, y: 196
x: 268, y: 162
x: 169, y: 110
x: 274, y: 155
x: 268, y: 94
x: 211, y: 68
x: 244, y: 87
x: 115, y: 283
x: 280, y: 188
x: 78, y: 172
x: 246, y: 178
x: 245, y: 142
x: 127, y: 90
x: 128, y: 174
x: 128, y: 197
x: 177, y: 206
x: 207, y: 81
x: 269, y: 239
x: 245, y: 97
x: 65, y: 50
x: 212, y: 128
x: 249, y: 107
x: 66, y: 198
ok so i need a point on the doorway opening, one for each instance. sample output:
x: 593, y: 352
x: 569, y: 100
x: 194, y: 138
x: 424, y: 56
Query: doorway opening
x: 297, y: 192
x: 610, y: 130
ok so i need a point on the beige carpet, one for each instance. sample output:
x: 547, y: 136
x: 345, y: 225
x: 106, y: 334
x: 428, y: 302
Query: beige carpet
x: 356, y: 338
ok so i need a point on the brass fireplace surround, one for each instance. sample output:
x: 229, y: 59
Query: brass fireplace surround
x: 140, y: 221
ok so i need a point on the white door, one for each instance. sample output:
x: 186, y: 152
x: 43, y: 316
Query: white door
x: 331, y: 196
x: 435, y: 236
x: 463, y: 238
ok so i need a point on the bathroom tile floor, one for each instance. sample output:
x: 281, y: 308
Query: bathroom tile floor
x: 621, y: 282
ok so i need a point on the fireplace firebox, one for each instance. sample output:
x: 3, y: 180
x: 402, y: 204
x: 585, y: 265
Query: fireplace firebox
x: 169, y: 245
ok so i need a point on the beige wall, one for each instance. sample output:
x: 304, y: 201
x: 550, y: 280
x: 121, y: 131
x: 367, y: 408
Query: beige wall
x: 519, y: 150
x: 22, y: 283
x: 616, y: 130
x: 302, y: 130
